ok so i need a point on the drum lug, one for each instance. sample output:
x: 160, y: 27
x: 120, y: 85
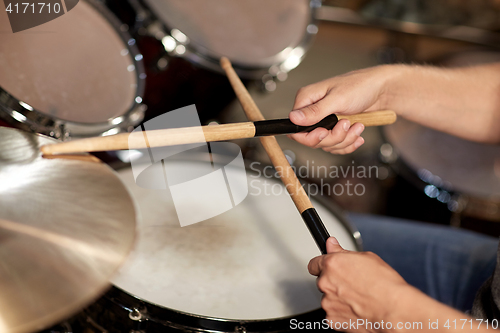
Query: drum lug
x: 136, y: 315
x: 139, y: 317
x: 240, y: 329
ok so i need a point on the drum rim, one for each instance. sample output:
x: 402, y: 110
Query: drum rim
x: 403, y: 168
x: 118, y: 293
x: 194, y: 53
x: 24, y: 116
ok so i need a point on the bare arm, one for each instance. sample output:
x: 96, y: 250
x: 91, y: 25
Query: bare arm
x: 360, y: 287
x: 462, y: 101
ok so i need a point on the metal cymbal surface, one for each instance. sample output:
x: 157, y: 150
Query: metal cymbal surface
x: 66, y: 225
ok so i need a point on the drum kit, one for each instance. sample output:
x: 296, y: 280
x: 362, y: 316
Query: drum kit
x: 85, y: 242
x: 71, y: 226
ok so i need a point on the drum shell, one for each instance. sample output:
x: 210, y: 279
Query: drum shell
x: 114, y: 312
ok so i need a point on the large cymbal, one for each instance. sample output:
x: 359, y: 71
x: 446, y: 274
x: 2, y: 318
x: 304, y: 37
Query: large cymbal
x: 66, y: 225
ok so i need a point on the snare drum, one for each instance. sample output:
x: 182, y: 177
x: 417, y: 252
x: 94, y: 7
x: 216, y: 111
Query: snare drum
x: 78, y: 75
x: 244, y: 270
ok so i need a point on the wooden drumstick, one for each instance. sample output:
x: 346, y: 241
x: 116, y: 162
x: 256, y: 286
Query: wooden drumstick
x: 292, y: 184
x: 287, y: 175
x: 177, y: 136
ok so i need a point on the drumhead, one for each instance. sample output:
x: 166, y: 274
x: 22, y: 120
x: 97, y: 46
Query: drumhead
x: 249, y: 263
x: 252, y: 34
x: 447, y: 161
x: 76, y: 68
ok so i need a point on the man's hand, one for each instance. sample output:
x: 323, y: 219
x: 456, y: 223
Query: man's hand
x: 459, y: 101
x: 357, y: 285
x: 351, y: 93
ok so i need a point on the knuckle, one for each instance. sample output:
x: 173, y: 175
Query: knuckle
x: 301, y: 91
x: 330, y: 262
x: 325, y: 303
x: 370, y: 254
x: 341, y: 292
x: 302, y: 94
x: 321, y: 283
x: 339, y: 133
x: 310, y: 143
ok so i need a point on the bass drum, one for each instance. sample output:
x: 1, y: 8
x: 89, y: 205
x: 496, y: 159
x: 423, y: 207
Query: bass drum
x: 244, y: 270
x: 458, y: 178
x: 79, y: 75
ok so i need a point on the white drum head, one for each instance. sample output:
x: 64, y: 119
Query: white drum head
x: 75, y: 68
x: 249, y: 263
x: 257, y: 33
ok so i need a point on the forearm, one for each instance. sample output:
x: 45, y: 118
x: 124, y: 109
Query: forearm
x: 427, y: 314
x: 461, y: 101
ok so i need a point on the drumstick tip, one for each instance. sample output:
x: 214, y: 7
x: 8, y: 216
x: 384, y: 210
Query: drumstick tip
x: 225, y: 63
x: 45, y: 149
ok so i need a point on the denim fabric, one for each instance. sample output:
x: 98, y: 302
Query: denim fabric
x: 447, y: 264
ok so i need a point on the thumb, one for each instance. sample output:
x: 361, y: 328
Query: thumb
x: 311, y: 114
x: 333, y: 246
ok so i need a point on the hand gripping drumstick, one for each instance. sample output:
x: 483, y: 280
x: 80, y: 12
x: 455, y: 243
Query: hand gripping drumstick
x: 177, y: 136
x: 292, y: 184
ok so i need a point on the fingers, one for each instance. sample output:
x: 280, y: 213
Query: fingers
x: 333, y: 246
x: 348, y: 150
x: 342, y: 139
x: 311, y: 139
x: 310, y: 94
x: 312, y: 113
x: 316, y: 265
x: 342, y: 136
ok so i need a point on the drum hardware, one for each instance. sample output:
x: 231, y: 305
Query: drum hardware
x: 136, y: 315
x: 69, y: 109
x: 67, y: 225
x: 240, y: 329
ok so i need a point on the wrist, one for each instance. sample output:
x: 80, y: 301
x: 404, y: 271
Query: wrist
x: 413, y: 307
x: 395, y: 78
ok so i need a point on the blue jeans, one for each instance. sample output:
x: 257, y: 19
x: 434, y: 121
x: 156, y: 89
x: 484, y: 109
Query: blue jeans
x: 445, y: 263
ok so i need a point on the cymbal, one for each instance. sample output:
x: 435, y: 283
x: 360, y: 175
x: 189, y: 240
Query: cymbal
x: 66, y: 225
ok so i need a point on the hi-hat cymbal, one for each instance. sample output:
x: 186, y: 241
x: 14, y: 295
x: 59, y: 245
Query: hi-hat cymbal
x: 66, y: 225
